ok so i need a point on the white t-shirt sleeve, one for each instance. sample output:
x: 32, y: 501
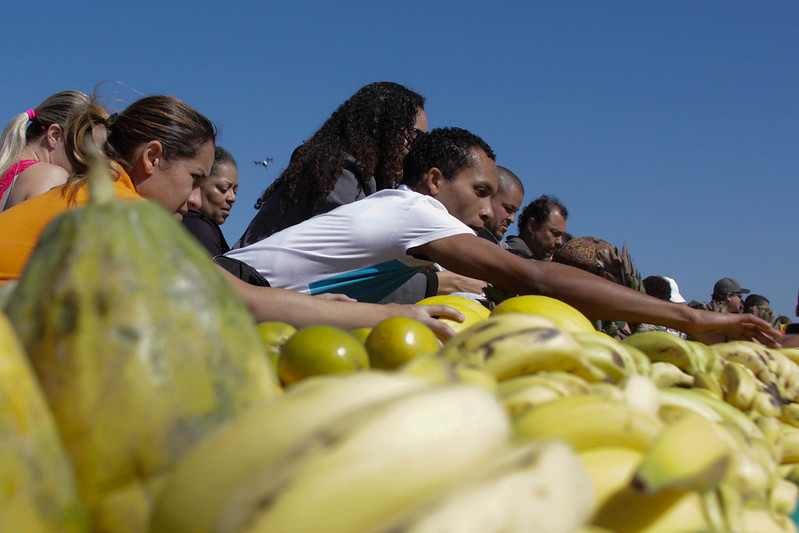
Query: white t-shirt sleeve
x: 427, y: 221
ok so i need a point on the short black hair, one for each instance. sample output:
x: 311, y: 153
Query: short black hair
x: 658, y: 286
x: 754, y: 300
x: 540, y: 209
x: 447, y: 149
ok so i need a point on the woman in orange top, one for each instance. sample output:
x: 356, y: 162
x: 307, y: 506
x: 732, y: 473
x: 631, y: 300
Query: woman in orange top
x: 162, y: 150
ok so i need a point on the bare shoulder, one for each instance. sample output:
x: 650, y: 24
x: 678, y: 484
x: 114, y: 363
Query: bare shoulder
x: 35, y: 180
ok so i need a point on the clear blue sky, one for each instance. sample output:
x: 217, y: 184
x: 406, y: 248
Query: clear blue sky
x: 669, y: 126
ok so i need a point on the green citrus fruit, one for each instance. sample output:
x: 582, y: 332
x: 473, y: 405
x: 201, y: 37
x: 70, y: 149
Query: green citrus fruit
x: 318, y: 350
x: 274, y: 335
x: 562, y: 314
x: 395, y: 341
x: 361, y: 334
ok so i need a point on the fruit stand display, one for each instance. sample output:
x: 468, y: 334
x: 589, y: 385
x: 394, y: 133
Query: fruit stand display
x: 139, y: 396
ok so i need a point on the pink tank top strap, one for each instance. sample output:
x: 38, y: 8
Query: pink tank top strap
x: 12, y: 172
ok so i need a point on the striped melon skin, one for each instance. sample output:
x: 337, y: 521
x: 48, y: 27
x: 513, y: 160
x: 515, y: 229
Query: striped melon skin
x: 140, y: 345
x: 37, y: 487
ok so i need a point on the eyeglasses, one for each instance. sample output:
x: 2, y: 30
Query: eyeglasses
x: 413, y: 134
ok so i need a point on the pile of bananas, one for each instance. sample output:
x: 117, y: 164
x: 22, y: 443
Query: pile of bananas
x: 675, y: 435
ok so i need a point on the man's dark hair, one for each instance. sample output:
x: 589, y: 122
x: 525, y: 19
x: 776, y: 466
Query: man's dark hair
x: 658, y: 287
x: 754, y: 300
x: 447, y: 149
x: 540, y: 209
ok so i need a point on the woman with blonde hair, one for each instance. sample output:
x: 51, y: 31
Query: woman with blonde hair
x: 33, y: 158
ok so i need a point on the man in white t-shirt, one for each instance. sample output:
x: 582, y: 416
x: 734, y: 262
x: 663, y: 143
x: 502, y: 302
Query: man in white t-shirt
x: 367, y: 248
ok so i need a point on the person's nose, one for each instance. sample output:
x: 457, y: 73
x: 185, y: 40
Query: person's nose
x: 231, y: 197
x: 195, y: 200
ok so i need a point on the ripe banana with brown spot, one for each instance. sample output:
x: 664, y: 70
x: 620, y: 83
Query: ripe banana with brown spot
x: 739, y: 385
x: 749, y: 354
x: 666, y: 374
x: 710, y: 383
x: 514, y: 344
x: 606, y: 353
x: 663, y: 346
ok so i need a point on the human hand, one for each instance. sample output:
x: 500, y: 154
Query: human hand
x: 427, y: 315
x: 449, y: 282
x: 711, y: 328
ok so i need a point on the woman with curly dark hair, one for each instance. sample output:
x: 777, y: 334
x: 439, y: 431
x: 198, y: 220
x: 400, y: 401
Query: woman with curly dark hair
x: 357, y: 151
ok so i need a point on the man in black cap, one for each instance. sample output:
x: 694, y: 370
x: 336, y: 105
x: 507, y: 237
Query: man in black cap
x: 727, y: 294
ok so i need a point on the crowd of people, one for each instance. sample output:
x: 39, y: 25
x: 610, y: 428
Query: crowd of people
x: 372, y: 214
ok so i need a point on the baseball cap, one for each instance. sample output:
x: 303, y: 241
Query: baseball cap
x: 727, y: 285
x: 676, y: 297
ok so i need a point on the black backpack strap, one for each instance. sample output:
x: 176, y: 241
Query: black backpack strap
x: 241, y: 270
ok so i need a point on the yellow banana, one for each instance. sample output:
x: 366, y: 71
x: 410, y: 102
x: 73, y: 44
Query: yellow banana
x: 772, y: 431
x: 765, y: 521
x: 753, y: 467
x: 514, y: 344
x: 790, y: 444
x: 674, y: 405
x: 784, y: 496
x: 610, y: 469
x: 663, y: 346
x: 690, y: 453
x: 606, y: 353
x: 666, y: 374
x: 708, y: 382
x: 765, y: 404
x: 259, y: 436
x: 533, y: 396
x: 749, y: 354
x: 700, y: 401
x: 739, y: 385
x: 588, y: 422
x: 704, y: 354
x: 562, y: 383
x: 790, y: 414
x: 631, y: 511
x: 607, y: 390
x: 538, y: 486
x: 436, y: 370
x: 371, y: 465
x: 642, y: 393
x: 640, y: 359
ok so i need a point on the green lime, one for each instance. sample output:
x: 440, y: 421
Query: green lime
x: 318, y: 350
x: 395, y: 341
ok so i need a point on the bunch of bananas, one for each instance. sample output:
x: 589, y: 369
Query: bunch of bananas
x: 675, y: 435
x: 375, y: 452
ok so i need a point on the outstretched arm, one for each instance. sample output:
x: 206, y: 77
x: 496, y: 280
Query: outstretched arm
x: 596, y: 297
x: 300, y: 310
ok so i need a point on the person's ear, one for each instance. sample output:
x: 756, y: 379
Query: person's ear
x: 152, y: 157
x: 54, y: 134
x: 433, y: 179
